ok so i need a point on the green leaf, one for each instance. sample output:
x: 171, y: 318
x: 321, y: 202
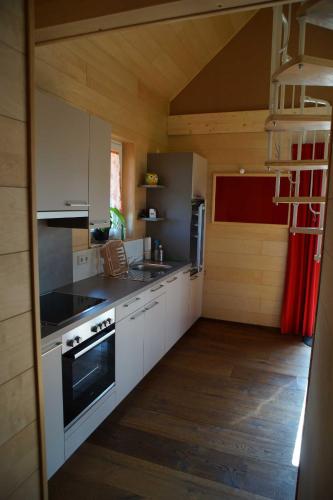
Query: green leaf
x: 117, y: 218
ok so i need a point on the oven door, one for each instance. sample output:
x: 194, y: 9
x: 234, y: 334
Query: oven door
x: 88, y: 371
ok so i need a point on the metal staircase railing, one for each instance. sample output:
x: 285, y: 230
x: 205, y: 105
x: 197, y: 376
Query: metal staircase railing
x: 304, y: 120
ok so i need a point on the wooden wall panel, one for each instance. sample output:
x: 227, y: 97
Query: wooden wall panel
x: 14, y: 220
x: 16, y: 348
x: 13, y: 153
x: 222, y: 86
x: 19, y: 444
x: 19, y: 459
x: 245, y: 263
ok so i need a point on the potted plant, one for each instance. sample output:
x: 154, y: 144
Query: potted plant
x: 117, y: 221
x: 101, y: 233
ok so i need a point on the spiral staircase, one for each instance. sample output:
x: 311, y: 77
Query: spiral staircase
x: 306, y: 119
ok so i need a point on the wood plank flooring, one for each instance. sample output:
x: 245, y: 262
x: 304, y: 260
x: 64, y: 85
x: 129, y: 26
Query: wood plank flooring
x: 216, y: 419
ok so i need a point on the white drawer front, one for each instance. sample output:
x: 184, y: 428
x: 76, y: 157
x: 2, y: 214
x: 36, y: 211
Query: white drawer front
x: 131, y: 305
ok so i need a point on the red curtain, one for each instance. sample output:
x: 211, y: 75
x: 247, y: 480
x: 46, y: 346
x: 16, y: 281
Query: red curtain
x: 302, y: 275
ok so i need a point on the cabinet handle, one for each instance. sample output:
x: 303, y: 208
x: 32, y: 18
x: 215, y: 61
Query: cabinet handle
x: 138, y: 314
x: 77, y: 204
x: 157, y: 288
x: 152, y: 305
x: 194, y: 277
x: 131, y: 302
x: 52, y: 348
x: 173, y: 279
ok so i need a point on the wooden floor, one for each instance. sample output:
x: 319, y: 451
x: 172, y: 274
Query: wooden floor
x: 215, y: 419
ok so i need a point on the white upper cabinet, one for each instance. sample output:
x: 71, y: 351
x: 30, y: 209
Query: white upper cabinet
x: 99, y: 173
x: 62, y: 153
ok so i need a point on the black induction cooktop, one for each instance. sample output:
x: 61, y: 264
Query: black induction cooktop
x: 56, y: 307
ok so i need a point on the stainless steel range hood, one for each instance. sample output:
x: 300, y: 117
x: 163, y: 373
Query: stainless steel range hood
x: 76, y: 219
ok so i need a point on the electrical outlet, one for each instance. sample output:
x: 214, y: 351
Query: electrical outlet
x: 82, y: 259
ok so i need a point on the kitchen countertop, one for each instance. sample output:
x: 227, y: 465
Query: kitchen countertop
x: 113, y: 290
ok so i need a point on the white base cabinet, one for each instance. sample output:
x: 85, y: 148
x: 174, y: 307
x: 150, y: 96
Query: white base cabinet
x: 147, y: 333
x: 53, y: 409
x: 129, y: 353
x: 177, y: 308
x: 154, y: 333
x: 196, y: 291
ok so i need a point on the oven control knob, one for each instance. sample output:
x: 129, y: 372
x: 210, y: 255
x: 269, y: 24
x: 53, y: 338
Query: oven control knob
x: 77, y: 340
x: 96, y: 328
x: 109, y: 321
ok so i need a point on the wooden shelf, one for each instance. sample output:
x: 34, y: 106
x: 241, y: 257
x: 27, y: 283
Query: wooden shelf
x: 307, y: 230
x: 283, y: 122
x: 150, y: 186
x: 151, y: 219
x: 306, y: 70
x: 299, y: 199
x: 318, y: 12
x: 294, y: 165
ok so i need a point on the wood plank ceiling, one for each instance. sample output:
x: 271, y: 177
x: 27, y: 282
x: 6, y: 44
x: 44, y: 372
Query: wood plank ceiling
x: 165, y: 56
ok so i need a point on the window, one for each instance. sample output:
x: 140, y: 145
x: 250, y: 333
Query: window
x: 115, y: 175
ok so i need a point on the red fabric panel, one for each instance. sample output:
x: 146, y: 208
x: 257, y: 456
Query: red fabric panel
x: 302, y: 278
x: 249, y: 199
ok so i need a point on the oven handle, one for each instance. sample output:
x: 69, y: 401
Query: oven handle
x: 92, y: 345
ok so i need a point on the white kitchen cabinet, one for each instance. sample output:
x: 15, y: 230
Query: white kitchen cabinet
x: 154, y: 334
x: 174, y: 310
x: 184, y: 305
x: 62, y: 152
x: 129, y: 353
x: 99, y: 173
x: 196, y: 291
x: 53, y: 409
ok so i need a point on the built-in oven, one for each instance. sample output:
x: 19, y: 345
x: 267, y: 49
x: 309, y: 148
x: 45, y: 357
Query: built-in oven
x: 88, y: 366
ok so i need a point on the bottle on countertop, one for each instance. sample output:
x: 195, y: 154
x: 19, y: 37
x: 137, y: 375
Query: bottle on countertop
x: 160, y: 253
x: 156, y: 248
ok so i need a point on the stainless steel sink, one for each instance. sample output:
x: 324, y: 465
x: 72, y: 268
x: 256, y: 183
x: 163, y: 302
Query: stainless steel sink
x: 151, y: 267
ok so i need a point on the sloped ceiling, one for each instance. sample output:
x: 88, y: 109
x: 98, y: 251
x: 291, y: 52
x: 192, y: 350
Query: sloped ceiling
x: 168, y: 56
x: 165, y: 57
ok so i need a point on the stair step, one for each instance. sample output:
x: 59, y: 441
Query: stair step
x: 293, y: 122
x: 306, y: 70
x: 307, y: 230
x: 299, y: 199
x: 294, y: 165
x: 318, y: 12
